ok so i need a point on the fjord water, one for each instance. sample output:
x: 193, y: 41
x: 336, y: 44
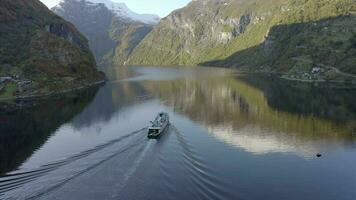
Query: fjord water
x: 232, y: 137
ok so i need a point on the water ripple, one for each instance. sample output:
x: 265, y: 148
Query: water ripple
x: 204, y: 182
x: 14, y: 181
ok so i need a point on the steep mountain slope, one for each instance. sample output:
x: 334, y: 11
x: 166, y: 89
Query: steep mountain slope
x: 42, y: 52
x: 112, y: 29
x: 274, y: 35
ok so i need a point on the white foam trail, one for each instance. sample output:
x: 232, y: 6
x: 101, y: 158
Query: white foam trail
x: 136, y: 164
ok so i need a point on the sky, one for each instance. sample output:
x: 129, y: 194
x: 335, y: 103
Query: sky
x: 159, y: 7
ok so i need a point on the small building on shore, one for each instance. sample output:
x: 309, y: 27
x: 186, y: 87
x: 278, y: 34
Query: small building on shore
x: 316, y: 70
x: 5, y: 79
x: 26, y: 85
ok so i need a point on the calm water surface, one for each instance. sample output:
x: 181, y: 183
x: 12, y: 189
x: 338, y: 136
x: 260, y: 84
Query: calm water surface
x: 232, y: 137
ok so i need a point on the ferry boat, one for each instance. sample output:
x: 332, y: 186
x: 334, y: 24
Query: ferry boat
x: 159, y: 125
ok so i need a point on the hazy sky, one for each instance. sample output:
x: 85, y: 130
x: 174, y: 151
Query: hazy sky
x: 159, y: 7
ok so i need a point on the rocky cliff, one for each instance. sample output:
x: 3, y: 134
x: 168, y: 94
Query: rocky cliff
x: 270, y: 35
x: 41, y: 52
x: 112, y: 29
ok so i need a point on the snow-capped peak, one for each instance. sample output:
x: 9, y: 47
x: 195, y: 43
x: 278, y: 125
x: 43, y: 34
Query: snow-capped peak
x: 121, y: 10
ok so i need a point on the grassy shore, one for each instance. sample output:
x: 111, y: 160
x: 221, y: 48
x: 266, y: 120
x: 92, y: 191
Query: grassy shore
x: 5, y: 98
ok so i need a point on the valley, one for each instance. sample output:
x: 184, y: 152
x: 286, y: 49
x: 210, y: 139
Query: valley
x: 298, y: 40
x: 178, y: 99
x: 112, y: 29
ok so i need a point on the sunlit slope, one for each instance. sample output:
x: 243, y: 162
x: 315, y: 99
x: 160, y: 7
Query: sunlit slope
x: 280, y: 35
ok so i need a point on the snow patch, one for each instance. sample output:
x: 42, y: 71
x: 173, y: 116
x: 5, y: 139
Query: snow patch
x: 121, y: 10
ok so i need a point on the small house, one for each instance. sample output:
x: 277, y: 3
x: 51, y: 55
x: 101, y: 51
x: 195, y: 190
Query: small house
x: 5, y: 79
x: 316, y: 70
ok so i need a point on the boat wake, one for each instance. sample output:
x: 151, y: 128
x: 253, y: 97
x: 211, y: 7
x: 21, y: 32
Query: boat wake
x: 131, y: 167
x: 33, y: 183
x: 173, y: 169
x: 202, y: 179
x: 136, y: 164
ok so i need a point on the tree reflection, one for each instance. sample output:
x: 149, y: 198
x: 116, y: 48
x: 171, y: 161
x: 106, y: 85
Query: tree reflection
x: 23, y: 131
x: 236, y: 107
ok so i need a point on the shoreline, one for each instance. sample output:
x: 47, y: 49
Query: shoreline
x: 281, y: 75
x: 284, y: 77
x: 341, y: 84
x: 49, y: 94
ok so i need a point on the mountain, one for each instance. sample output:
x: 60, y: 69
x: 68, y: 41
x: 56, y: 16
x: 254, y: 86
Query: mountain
x: 297, y: 37
x: 40, y: 52
x: 122, y: 11
x: 112, y: 29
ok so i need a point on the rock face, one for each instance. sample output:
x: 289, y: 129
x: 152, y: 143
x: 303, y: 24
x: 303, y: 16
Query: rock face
x: 39, y: 46
x: 122, y: 11
x: 112, y: 29
x: 187, y: 35
x: 274, y: 35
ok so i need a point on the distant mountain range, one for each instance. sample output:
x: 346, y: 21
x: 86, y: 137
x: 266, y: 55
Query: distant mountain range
x: 119, y: 9
x: 309, y: 40
x: 112, y: 29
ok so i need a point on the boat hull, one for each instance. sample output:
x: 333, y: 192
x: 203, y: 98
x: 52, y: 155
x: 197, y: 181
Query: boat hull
x: 157, y: 134
x: 156, y: 131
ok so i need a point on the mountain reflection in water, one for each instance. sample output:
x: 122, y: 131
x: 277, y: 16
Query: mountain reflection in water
x: 232, y: 137
x: 24, y: 131
x: 240, y: 114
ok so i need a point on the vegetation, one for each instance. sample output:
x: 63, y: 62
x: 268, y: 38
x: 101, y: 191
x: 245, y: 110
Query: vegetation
x: 290, y: 36
x: 127, y: 35
x: 111, y: 38
x: 8, y: 90
x: 37, y: 45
